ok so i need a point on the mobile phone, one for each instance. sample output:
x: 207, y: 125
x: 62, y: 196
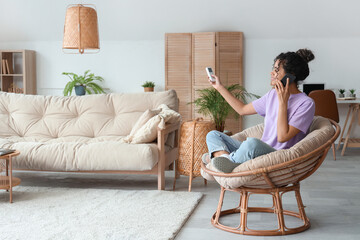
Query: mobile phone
x: 210, y: 72
x: 291, y: 78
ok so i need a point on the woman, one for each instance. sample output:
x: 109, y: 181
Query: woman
x: 288, y: 114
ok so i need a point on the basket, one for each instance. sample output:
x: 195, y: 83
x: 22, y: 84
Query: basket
x: 192, y: 146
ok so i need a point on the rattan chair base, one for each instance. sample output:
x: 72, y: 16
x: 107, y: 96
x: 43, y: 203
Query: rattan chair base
x: 277, y: 209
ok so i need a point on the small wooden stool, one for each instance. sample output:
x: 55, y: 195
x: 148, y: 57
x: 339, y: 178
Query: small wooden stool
x: 191, y: 148
x: 8, y: 182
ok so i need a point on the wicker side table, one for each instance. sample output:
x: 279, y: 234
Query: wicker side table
x: 8, y: 181
x: 191, y: 148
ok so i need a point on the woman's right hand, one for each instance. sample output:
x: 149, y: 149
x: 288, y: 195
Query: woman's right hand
x: 217, y: 82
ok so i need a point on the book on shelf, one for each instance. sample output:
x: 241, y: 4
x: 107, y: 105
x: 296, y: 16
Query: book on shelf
x: 7, y: 66
x: 4, y: 151
x: 3, y: 67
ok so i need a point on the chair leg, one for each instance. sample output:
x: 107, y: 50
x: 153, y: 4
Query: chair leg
x: 279, y: 211
x: 218, y: 210
x: 300, y: 206
x: 243, y: 211
x: 333, y: 149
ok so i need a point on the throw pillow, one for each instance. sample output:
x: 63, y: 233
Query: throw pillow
x: 143, y: 119
x: 148, y: 132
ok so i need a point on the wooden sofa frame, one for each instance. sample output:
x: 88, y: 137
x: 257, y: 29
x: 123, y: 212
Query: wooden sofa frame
x: 166, y: 159
x: 270, y: 180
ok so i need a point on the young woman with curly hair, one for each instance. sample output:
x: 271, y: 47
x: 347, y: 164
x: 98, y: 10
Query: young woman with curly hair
x: 287, y: 111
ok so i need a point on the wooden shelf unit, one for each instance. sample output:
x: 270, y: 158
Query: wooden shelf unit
x: 18, y: 71
x: 187, y: 55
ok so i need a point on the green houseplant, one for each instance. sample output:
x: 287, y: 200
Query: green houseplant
x: 352, y: 93
x: 148, y: 86
x: 211, y: 103
x: 341, y: 91
x: 83, y: 84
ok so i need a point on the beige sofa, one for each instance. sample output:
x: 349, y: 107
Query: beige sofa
x: 86, y: 133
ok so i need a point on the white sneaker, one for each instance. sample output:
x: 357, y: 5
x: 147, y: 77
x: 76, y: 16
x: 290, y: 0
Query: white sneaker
x: 206, y: 158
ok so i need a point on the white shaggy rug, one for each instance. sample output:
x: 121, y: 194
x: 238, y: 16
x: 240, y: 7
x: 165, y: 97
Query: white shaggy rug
x: 70, y: 213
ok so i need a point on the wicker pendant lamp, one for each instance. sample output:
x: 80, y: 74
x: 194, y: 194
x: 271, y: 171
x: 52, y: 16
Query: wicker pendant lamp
x: 81, y: 29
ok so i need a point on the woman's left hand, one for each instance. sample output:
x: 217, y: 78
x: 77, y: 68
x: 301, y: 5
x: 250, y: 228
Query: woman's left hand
x: 282, y: 92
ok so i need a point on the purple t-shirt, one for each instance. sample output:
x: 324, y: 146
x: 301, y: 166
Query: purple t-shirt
x: 301, y: 110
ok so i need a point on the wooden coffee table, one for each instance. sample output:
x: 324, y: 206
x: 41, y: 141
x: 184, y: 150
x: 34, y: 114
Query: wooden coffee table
x: 8, y: 182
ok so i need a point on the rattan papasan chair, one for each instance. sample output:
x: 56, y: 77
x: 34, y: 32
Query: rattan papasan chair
x: 275, y: 173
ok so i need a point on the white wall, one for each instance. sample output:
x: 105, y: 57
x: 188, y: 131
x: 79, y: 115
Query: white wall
x: 131, y: 54
x: 124, y: 65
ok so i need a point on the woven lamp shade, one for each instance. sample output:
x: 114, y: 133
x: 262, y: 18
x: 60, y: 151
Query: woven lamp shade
x: 81, y: 28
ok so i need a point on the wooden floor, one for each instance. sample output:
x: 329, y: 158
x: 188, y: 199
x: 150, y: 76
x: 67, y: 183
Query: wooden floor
x: 331, y: 197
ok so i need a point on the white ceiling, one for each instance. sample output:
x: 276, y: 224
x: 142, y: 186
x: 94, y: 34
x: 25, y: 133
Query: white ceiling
x: 43, y: 20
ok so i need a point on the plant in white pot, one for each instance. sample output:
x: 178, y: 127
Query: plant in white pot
x: 341, y: 93
x: 352, y: 93
x: 83, y: 84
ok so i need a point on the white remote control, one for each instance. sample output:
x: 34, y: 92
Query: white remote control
x: 210, y: 72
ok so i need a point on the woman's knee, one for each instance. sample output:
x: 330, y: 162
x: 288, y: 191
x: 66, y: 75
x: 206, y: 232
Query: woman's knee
x: 256, y: 146
x: 251, y: 144
x: 213, y: 134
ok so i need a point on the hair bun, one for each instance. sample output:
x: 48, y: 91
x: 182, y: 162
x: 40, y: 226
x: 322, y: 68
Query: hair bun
x: 306, y: 54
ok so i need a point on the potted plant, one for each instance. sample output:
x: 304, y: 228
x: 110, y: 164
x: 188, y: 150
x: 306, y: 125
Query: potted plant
x: 352, y: 93
x: 341, y: 93
x: 83, y: 84
x: 211, y: 103
x: 148, y: 86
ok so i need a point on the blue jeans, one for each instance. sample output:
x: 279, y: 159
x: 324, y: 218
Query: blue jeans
x: 240, y: 152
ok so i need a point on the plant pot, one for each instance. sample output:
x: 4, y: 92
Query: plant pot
x: 341, y: 95
x: 80, y: 90
x: 227, y: 132
x: 148, y: 89
x: 353, y: 95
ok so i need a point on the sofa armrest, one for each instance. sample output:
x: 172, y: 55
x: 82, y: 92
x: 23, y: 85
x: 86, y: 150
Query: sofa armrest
x: 169, y: 128
x: 161, y: 146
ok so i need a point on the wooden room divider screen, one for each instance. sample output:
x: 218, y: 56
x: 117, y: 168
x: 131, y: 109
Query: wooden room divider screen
x: 187, y: 55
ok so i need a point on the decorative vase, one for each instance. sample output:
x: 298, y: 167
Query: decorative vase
x: 80, y: 90
x: 341, y: 95
x: 148, y: 89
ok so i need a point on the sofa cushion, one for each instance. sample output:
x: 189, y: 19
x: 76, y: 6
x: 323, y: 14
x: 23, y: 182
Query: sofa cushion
x: 88, y: 116
x: 81, y: 154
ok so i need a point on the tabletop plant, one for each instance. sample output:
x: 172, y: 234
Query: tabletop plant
x: 352, y: 93
x: 148, y: 86
x: 211, y: 103
x: 341, y: 91
x: 83, y: 83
